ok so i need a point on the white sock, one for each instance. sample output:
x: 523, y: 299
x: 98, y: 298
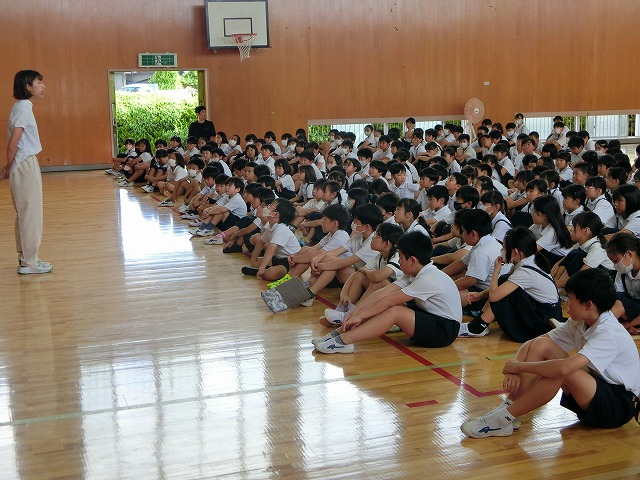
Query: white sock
x: 502, y: 416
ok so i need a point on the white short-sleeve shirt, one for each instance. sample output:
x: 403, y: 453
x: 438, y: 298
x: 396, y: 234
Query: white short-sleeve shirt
x: 601, y: 207
x: 361, y: 248
x: 631, y: 223
x: 379, y: 262
x: 596, y: 255
x: 501, y: 226
x: 434, y: 292
x: 237, y: 206
x: 538, y: 286
x: 29, y: 144
x: 547, y: 239
x: 480, y: 260
x: 287, y: 182
x: 331, y: 241
x: 611, y: 351
x: 283, y: 237
x: 406, y: 190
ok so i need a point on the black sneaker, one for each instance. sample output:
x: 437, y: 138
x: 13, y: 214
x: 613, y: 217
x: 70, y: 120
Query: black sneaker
x: 249, y: 271
x: 235, y: 248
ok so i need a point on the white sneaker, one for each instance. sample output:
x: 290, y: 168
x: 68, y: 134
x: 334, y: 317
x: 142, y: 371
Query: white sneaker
x: 516, y: 422
x: 40, y: 267
x: 110, y: 171
x: 464, y: 331
x: 184, y: 208
x: 196, y: 222
x: 166, y: 203
x: 189, y: 216
x: 491, y: 425
x: 331, y: 334
x: 147, y: 188
x: 204, y: 233
x: 331, y: 346
x: 194, y: 231
x: 307, y: 303
x: 124, y: 183
x: 334, y: 316
x: 215, y: 240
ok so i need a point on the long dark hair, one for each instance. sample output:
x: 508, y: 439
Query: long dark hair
x: 549, y: 206
x: 390, y: 232
x: 523, y: 240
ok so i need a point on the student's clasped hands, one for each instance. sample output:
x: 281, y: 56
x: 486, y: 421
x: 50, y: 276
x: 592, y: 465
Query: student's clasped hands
x: 511, y: 381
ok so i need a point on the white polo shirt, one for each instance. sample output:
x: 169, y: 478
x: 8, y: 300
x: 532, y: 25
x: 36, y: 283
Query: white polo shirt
x: 480, y: 260
x: 283, y: 237
x: 433, y: 291
x: 547, y: 239
x: 611, y: 351
x: 596, y: 255
x: 539, y: 287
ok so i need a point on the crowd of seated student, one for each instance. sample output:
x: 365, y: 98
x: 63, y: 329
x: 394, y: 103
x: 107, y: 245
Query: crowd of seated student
x: 415, y: 227
x: 429, y: 175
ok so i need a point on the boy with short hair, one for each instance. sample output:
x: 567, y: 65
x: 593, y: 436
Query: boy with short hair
x: 384, y: 152
x: 400, y: 184
x: 387, y: 203
x: 581, y: 172
x: 600, y: 382
x: 267, y: 151
x: 576, y: 147
x: 474, y: 271
x: 277, y: 242
x: 597, y: 202
x: 453, y: 183
x: 226, y: 212
x: 437, y: 209
x: 377, y: 169
x: 423, y: 303
x: 428, y: 178
x: 573, y: 201
x: 564, y: 169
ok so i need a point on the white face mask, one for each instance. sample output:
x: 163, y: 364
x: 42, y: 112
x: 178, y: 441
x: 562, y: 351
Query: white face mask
x: 284, y: 143
x: 447, y: 132
x: 265, y: 212
x: 193, y: 173
x: 367, y: 133
x: 338, y: 142
x: 292, y: 147
x: 510, y: 133
x: 481, y: 207
x: 599, y: 153
x: 518, y: 122
x: 464, y: 145
x: 172, y: 162
x: 558, y: 131
x: 232, y: 143
x: 249, y: 142
x: 623, y: 269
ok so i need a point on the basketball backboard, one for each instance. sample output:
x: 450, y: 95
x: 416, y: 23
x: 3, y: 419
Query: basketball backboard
x: 228, y: 17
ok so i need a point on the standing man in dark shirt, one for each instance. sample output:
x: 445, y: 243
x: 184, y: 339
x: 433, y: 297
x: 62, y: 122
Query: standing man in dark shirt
x: 202, y: 127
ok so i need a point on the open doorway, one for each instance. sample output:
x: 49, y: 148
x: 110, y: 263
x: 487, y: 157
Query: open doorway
x: 154, y: 104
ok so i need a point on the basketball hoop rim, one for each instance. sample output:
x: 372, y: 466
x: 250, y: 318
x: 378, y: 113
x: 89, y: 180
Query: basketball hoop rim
x: 241, y: 38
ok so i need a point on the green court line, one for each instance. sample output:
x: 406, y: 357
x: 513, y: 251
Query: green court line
x: 501, y: 357
x: 275, y: 388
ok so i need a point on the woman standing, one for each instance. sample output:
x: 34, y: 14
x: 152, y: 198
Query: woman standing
x: 23, y: 171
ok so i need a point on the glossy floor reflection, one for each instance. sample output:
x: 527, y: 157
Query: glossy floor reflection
x: 147, y: 355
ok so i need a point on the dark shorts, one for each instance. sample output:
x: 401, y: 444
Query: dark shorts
x: 228, y: 223
x: 284, y: 262
x: 313, y: 216
x: 432, y: 331
x: 630, y: 304
x: 612, y: 406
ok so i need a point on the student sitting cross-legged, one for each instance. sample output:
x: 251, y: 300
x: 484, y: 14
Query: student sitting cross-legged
x: 424, y: 303
x: 599, y: 382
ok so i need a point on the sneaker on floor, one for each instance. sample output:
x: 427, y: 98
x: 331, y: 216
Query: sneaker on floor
x: 215, y: 240
x: 204, y: 232
x: 307, y: 303
x: 487, y: 426
x: 235, y: 248
x: 110, y: 171
x: 183, y: 208
x: 194, y: 231
x: 464, y: 331
x: 196, y: 222
x: 166, y: 203
x: 331, y: 334
x: 334, y: 317
x: 516, y: 423
x: 189, y: 216
x: 249, y: 271
x: 40, y: 267
x: 126, y: 184
x: 330, y: 345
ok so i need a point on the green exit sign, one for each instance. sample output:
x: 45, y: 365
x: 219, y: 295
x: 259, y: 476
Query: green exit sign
x: 158, y: 60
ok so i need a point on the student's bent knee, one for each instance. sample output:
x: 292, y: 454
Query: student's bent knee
x: 543, y: 348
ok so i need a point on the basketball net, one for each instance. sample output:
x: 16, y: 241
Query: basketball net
x: 243, y: 42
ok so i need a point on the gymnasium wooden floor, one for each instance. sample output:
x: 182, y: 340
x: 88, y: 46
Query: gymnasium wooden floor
x: 146, y: 355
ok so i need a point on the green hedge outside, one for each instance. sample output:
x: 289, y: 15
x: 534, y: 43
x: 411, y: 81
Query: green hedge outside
x: 152, y: 116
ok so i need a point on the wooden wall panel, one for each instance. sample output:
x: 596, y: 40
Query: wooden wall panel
x: 329, y: 59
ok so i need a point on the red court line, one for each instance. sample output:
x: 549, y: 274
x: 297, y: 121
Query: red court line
x: 421, y: 404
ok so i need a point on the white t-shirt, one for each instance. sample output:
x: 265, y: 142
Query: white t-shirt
x: 632, y: 283
x: 416, y: 151
x: 405, y: 190
x: 501, y: 226
x: 283, y: 237
x: 236, y: 205
x: 306, y: 191
x: 480, y: 260
x: 540, y: 287
x: 611, y: 351
x: 601, y: 207
x: 361, y: 248
x: 176, y: 173
x: 146, y: 157
x: 507, y: 164
x: 433, y: 291
x: 29, y: 144
x: 331, y: 241
x: 631, y: 223
x: 547, y: 239
x: 437, y: 215
x: 596, y: 255
x: 223, y: 165
x: 381, y: 154
x: 206, y: 190
x: 569, y: 216
x: 287, y: 182
x: 313, y: 203
x: 378, y: 263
